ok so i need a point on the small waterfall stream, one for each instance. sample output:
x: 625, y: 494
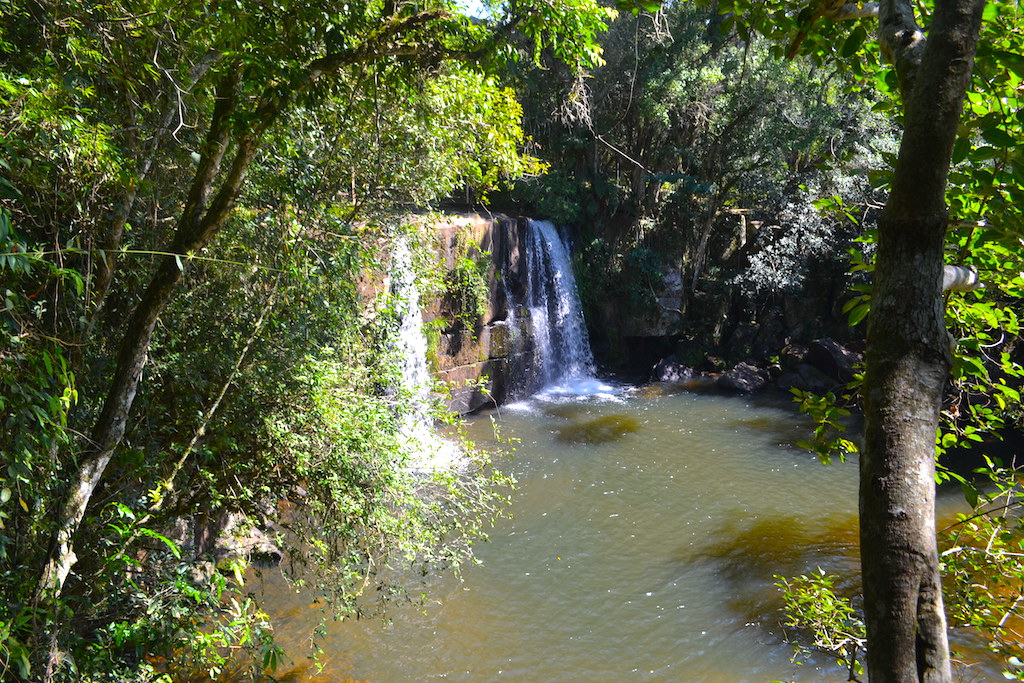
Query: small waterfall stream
x: 412, y: 345
x: 428, y: 451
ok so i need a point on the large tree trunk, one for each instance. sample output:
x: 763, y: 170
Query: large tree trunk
x: 909, y: 356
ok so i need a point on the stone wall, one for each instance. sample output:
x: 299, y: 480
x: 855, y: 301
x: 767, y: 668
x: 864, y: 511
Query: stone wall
x: 485, y: 364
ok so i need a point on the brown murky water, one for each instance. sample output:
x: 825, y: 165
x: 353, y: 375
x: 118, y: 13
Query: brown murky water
x: 644, y: 536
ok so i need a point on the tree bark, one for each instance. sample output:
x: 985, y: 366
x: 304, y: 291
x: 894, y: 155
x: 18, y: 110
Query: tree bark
x: 909, y: 356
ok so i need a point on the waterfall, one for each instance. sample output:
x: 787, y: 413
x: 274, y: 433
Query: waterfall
x: 562, y: 357
x: 427, y: 450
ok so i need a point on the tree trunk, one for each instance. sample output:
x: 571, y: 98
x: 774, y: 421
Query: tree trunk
x: 200, y: 220
x: 110, y: 244
x: 197, y: 226
x: 909, y: 355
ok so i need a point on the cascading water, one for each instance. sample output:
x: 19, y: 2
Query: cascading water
x: 544, y: 337
x: 562, y: 357
x: 428, y: 451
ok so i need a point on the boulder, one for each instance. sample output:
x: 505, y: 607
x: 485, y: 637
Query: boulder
x: 805, y: 378
x: 669, y: 370
x: 832, y: 359
x: 744, y: 378
x: 215, y: 541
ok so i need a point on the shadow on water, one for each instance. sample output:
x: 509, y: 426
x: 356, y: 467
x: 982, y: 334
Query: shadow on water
x: 787, y: 433
x: 747, y: 557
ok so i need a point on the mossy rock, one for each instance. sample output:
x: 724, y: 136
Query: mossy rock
x: 565, y: 411
x: 598, y: 431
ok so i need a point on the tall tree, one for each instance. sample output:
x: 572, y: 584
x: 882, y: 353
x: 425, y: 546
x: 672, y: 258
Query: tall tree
x: 909, y: 350
x: 909, y: 356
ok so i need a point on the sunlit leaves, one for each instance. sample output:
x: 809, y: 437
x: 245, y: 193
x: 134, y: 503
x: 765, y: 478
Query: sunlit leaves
x: 829, y: 415
x: 569, y: 28
x: 813, y: 604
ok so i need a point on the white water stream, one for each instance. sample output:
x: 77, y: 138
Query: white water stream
x: 428, y: 452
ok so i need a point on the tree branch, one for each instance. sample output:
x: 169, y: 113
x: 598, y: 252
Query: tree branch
x: 901, y: 40
x: 836, y: 10
x: 377, y: 45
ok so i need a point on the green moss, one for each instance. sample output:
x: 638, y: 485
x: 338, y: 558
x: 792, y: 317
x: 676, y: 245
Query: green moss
x: 432, y: 331
x: 467, y: 292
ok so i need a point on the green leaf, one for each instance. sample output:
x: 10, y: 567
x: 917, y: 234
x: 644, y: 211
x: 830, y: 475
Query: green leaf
x: 998, y: 137
x: 858, y: 314
x: 961, y: 148
x: 171, y: 545
x: 853, y: 42
x: 970, y: 494
x: 1011, y: 60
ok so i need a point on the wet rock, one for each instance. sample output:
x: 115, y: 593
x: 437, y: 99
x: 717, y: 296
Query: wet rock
x: 565, y: 411
x: 246, y: 542
x: 216, y: 541
x: 598, y: 431
x: 832, y: 359
x: 669, y: 370
x: 805, y: 378
x: 791, y: 356
x: 744, y: 378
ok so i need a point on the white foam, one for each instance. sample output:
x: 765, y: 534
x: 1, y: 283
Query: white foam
x: 574, y: 388
x: 429, y: 452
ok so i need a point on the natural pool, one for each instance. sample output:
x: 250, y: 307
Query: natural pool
x: 642, y: 544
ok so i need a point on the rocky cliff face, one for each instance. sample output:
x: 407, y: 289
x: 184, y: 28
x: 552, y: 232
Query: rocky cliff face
x: 481, y: 349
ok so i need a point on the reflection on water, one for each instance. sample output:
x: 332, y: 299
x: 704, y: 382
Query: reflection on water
x: 641, y: 546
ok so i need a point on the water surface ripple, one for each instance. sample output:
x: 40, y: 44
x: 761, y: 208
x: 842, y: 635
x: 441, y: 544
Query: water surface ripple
x: 642, y: 548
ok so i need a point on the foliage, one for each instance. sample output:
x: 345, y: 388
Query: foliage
x: 982, y: 564
x: 682, y: 131
x: 829, y: 417
x: 466, y: 292
x: 630, y: 277
x: 812, y: 605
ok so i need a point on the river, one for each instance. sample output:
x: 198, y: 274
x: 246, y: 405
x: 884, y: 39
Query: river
x: 642, y: 542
